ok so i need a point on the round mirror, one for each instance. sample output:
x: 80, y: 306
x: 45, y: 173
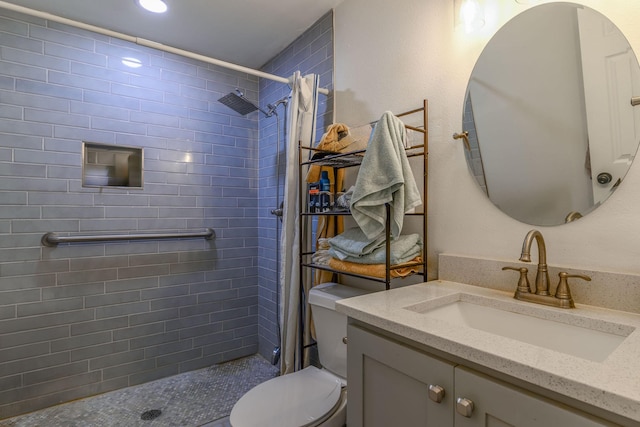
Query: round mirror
x: 550, y: 115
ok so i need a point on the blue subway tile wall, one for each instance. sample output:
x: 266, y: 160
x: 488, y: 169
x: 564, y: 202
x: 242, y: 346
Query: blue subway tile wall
x: 81, y: 319
x: 312, y: 52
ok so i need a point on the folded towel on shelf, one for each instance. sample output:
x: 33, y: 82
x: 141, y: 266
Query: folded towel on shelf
x: 323, y: 243
x: 403, y: 249
x: 354, y: 243
x: 376, y: 270
x: 385, y: 176
x: 343, y: 202
x: 321, y: 257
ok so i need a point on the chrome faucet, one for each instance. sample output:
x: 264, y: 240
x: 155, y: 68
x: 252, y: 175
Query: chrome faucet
x: 541, y: 295
x: 542, y: 275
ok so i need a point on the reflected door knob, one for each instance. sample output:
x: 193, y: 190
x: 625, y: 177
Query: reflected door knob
x: 436, y: 393
x: 604, y: 178
x: 464, y: 407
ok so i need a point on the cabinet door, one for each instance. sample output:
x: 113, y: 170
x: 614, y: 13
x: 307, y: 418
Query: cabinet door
x: 496, y: 404
x: 389, y: 384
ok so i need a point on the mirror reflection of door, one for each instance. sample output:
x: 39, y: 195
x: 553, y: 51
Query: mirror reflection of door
x: 529, y: 115
x: 548, y: 121
x: 609, y: 69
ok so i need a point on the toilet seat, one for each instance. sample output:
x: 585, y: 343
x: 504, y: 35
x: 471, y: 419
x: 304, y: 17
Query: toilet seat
x: 301, y: 399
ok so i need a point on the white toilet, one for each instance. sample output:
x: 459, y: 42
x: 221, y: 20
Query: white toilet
x: 312, y: 396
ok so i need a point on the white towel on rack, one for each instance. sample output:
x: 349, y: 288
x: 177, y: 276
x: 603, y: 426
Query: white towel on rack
x: 385, y: 176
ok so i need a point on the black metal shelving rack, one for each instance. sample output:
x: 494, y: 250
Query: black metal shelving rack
x: 353, y: 159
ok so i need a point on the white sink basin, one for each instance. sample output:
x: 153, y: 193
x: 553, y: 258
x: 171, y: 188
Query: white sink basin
x: 570, y: 339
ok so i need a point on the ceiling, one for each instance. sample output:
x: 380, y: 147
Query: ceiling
x: 243, y: 32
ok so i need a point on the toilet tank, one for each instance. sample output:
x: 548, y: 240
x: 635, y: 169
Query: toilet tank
x: 331, y: 326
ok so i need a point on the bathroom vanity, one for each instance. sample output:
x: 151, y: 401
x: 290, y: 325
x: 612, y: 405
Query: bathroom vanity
x: 448, y: 354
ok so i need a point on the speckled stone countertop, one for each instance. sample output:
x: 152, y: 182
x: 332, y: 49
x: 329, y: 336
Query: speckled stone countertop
x: 612, y: 384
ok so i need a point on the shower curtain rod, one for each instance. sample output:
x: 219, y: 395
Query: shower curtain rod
x: 147, y: 43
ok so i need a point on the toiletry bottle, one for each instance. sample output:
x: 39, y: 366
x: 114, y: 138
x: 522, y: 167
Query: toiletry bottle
x: 325, y: 192
x: 314, y: 195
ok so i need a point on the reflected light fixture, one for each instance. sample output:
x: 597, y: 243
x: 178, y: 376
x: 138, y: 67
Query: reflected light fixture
x: 156, y: 6
x: 471, y: 15
x: 131, y: 62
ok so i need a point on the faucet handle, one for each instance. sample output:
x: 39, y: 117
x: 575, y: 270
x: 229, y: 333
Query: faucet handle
x: 562, y: 291
x: 523, y: 282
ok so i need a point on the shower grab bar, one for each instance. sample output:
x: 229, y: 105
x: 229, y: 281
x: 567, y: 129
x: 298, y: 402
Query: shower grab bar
x: 52, y: 239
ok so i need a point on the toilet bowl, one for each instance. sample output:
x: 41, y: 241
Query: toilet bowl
x: 309, y: 397
x: 312, y: 396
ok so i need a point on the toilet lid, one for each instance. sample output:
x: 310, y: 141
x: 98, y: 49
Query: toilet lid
x: 293, y: 400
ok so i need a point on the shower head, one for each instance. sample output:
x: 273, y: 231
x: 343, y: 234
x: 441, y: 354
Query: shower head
x: 238, y: 103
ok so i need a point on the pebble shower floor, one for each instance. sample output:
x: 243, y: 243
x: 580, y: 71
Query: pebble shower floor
x: 198, y: 398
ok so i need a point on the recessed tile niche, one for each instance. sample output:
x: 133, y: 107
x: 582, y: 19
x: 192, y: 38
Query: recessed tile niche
x: 105, y: 165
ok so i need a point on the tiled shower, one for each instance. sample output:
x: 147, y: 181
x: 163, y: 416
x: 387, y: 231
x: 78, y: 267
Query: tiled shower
x: 81, y: 319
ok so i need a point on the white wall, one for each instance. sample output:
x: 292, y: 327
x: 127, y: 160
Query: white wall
x: 390, y: 55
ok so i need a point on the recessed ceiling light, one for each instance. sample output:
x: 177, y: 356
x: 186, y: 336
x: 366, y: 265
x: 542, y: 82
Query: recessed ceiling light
x: 156, y: 6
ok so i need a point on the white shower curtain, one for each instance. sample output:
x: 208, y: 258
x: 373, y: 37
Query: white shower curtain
x: 302, y: 120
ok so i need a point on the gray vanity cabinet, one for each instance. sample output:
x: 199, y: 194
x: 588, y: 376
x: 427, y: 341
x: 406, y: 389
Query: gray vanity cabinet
x: 389, y: 384
x: 497, y: 404
x: 392, y: 384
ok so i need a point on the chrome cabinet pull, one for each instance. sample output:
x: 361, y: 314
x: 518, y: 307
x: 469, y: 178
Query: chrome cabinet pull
x: 464, y: 407
x: 436, y: 393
